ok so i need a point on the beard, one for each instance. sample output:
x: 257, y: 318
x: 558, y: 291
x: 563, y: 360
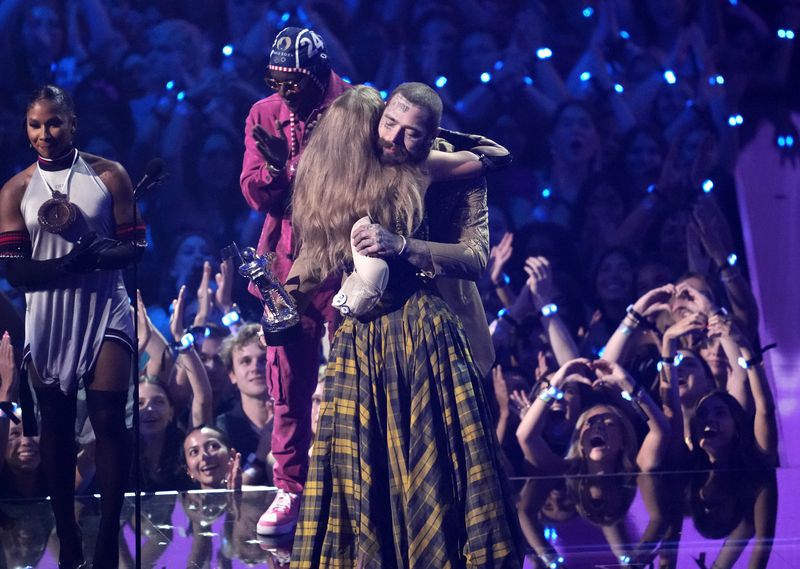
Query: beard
x: 399, y: 155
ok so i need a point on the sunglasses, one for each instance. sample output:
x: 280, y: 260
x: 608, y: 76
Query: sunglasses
x: 288, y: 87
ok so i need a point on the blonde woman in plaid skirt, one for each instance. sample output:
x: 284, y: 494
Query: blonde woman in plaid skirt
x: 405, y: 470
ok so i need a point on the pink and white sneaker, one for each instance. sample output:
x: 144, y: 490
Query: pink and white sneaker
x: 281, y: 516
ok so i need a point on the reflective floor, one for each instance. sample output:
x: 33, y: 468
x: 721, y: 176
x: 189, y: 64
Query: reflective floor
x: 700, y: 520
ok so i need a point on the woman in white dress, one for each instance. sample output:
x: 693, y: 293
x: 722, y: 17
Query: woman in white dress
x: 67, y: 227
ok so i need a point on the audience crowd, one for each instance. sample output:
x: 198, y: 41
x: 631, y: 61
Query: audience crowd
x: 617, y: 289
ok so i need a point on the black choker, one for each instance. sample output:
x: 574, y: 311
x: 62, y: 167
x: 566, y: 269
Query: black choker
x: 62, y: 162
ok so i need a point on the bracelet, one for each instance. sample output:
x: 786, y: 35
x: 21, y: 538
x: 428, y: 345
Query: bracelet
x: 758, y: 358
x: 550, y: 560
x: 633, y: 322
x: 634, y: 399
x: 505, y: 282
x: 184, y: 344
x: 631, y: 311
x: 673, y: 361
x: 747, y: 364
x: 730, y: 262
x: 551, y: 394
x: 504, y: 315
x: 637, y: 392
x: 625, y: 330
x: 549, y: 310
x: 755, y: 360
x: 231, y: 317
x: 403, y: 248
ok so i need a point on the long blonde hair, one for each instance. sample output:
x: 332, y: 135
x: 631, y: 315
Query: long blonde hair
x: 340, y: 179
x: 626, y: 461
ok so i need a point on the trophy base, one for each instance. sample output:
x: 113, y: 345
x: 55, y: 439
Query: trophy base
x: 281, y: 337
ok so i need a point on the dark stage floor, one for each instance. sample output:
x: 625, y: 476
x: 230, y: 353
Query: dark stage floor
x: 679, y: 520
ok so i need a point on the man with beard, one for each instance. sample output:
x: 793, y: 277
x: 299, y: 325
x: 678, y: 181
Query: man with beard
x: 455, y: 255
x: 276, y: 132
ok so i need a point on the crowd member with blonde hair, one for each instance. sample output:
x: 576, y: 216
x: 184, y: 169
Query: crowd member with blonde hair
x: 604, y: 440
x: 405, y: 465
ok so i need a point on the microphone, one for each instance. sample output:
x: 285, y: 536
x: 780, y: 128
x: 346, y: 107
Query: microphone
x: 153, y: 175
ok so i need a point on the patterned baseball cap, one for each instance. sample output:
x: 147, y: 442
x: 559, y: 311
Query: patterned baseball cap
x: 300, y: 50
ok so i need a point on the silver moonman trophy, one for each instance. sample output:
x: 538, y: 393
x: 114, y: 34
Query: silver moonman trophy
x: 280, y: 321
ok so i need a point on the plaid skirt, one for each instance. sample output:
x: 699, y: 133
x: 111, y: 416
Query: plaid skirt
x: 405, y: 471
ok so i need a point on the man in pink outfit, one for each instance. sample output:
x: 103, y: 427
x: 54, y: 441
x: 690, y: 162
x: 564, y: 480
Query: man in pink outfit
x: 276, y: 131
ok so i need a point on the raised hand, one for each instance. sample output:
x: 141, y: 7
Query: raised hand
x: 499, y: 256
x: 614, y: 374
x: 500, y: 389
x: 224, y: 279
x: 8, y: 368
x: 723, y: 326
x: 274, y: 149
x: 691, y: 323
x: 176, y: 319
x: 654, y: 301
x: 519, y: 402
x: 233, y: 478
x: 579, y: 369
x: 540, y: 280
x: 542, y: 365
x: 143, y: 324
x: 205, y: 296
x: 713, y: 229
x: 689, y: 298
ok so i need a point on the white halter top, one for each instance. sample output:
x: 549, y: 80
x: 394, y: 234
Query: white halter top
x: 65, y: 326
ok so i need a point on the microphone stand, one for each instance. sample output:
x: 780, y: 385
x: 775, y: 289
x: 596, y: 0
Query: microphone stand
x: 142, y: 186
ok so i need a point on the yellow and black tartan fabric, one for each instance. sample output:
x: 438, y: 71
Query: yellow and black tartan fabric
x: 405, y: 471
